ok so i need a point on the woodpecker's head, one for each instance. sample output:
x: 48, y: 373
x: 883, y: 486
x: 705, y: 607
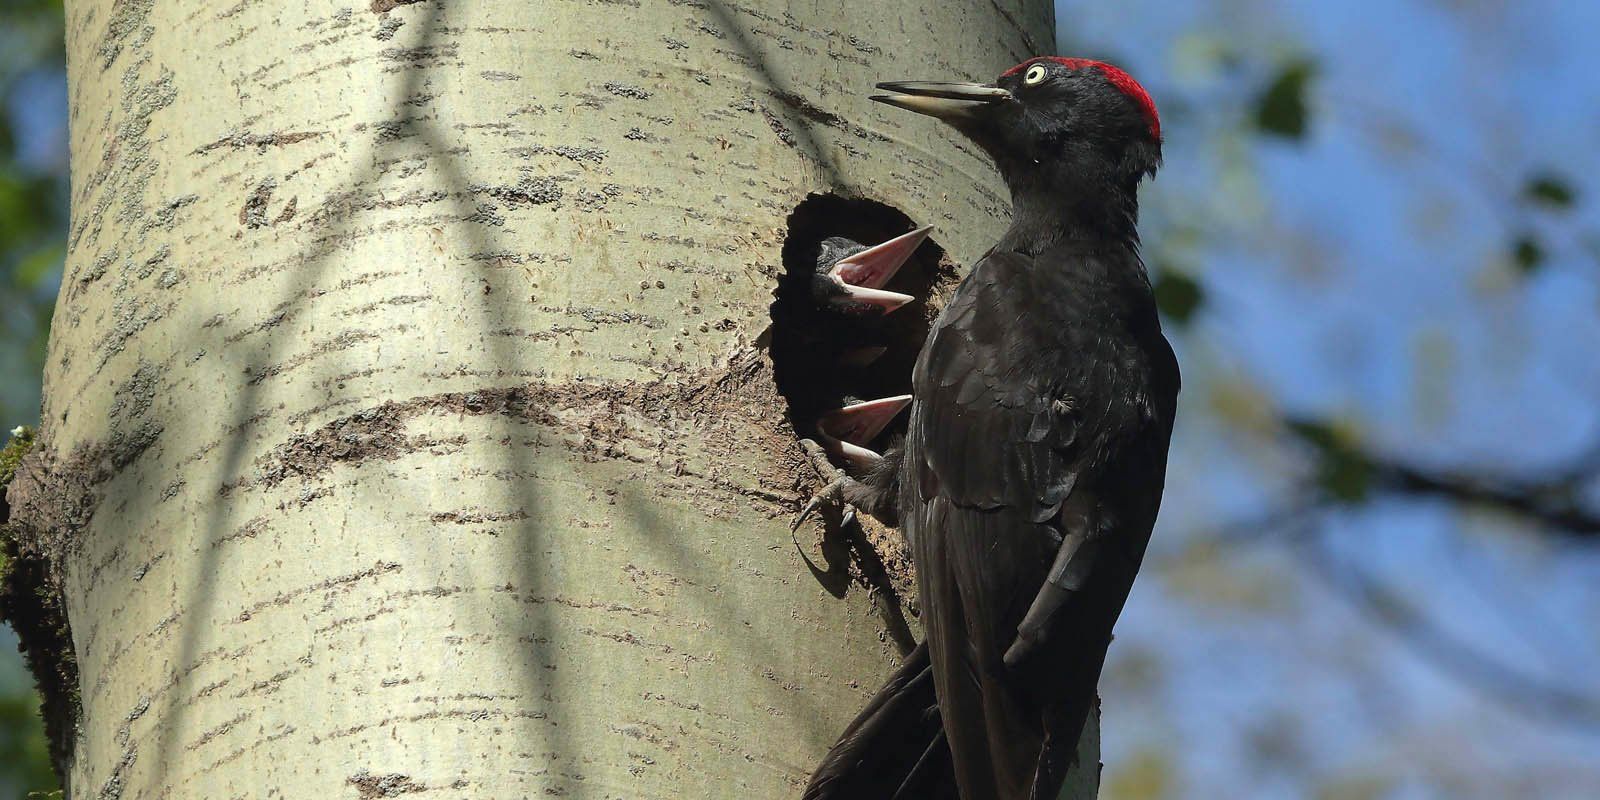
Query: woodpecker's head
x: 1088, y: 117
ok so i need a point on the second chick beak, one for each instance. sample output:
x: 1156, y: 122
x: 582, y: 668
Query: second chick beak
x: 847, y: 430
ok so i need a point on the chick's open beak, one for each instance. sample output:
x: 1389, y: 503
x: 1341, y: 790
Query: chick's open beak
x: 846, y: 431
x: 874, y: 266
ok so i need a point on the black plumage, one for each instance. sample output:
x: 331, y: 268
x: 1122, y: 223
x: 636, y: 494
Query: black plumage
x: 1033, y: 466
x: 895, y: 747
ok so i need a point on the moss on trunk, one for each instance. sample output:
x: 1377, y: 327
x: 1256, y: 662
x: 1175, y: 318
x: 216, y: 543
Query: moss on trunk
x: 32, y: 604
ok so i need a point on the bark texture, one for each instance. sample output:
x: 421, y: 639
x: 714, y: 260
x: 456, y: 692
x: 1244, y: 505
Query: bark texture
x: 407, y: 425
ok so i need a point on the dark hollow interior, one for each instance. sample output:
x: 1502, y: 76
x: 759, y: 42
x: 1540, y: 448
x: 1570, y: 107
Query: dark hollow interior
x: 810, y: 344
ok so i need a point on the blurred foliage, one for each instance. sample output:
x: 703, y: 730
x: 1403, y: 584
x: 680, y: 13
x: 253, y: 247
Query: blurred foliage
x: 1282, y: 109
x: 1342, y: 470
x: 1527, y: 254
x: 33, y: 196
x: 24, y: 759
x: 1148, y: 775
x: 1356, y: 787
x: 20, y: 440
x: 1178, y: 295
x: 33, y: 220
x: 1551, y: 190
x: 17, y: 443
x: 1233, y: 590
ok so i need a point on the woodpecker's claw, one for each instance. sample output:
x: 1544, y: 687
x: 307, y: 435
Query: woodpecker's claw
x: 845, y: 432
x: 832, y: 494
x: 861, y: 276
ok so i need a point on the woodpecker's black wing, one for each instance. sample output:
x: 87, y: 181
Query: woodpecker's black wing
x: 895, y: 748
x: 1032, y: 470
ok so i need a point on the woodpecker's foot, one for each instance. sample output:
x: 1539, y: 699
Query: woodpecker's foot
x: 831, y: 494
x: 844, y: 433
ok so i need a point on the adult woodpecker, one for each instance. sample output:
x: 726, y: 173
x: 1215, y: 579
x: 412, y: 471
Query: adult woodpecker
x: 1032, y: 469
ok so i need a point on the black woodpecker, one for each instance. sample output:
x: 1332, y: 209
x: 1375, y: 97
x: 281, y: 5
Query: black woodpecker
x: 1032, y: 470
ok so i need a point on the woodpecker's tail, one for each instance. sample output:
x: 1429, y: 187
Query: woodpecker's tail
x: 895, y: 748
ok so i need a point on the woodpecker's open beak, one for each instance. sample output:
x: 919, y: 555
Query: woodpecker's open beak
x: 845, y: 431
x: 951, y: 102
x: 874, y: 266
x: 854, y: 297
x: 863, y: 275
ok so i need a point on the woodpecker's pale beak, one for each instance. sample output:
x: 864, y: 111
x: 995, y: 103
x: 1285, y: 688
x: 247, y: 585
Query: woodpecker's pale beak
x: 951, y: 102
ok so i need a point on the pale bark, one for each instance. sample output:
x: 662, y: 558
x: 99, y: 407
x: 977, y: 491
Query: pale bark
x: 406, y: 397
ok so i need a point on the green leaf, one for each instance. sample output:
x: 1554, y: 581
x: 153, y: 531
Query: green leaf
x: 1345, y: 476
x: 1343, y: 471
x: 1178, y: 295
x: 1317, y: 433
x: 1527, y: 255
x: 1281, y: 109
x: 1551, y: 191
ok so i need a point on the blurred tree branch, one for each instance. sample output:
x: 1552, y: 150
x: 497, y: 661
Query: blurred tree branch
x: 1349, y: 472
x: 1297, y: 521
x: 1345, y: 473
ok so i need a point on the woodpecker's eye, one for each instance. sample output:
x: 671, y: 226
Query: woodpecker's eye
x: 1034, y: 75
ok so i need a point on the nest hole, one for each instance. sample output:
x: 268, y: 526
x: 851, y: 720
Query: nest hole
x: 816, y: 351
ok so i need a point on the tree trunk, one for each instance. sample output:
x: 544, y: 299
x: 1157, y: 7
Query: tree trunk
x: 409, y: 420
